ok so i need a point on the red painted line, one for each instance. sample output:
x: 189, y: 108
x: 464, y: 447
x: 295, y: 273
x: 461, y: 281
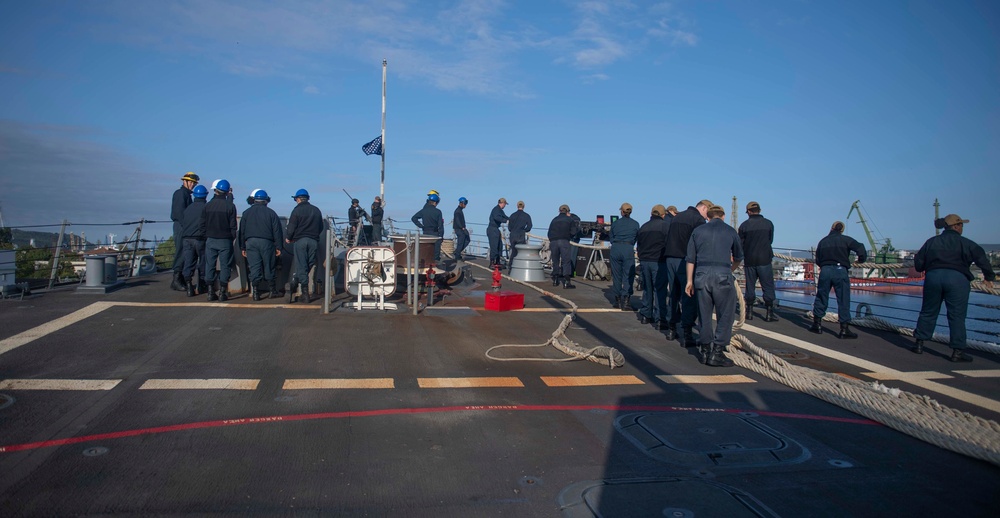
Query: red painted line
x: 403, y: 411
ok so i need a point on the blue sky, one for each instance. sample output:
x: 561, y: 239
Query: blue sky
x: 803, y: 106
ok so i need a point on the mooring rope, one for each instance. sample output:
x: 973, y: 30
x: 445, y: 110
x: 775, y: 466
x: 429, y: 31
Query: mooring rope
x: 603, y: 355
x: 912, y: 414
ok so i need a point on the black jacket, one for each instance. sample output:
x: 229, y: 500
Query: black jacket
x: 377, y: 212
x: 497, y: 217
x: 652, y: 240
x: 835, y: 250
x: 952, y: 251
x: 220, y: 219
x: 458, y: 220
x: 756, y: 236
x: 260, y: 221
x: 430, y: 220
x: 193, y: 224
x: 180, y: 201
x: 305, y: 221
x: 519, y: 224
x: 562, y: 227
x: 354, y: 215
x: 680, y: 231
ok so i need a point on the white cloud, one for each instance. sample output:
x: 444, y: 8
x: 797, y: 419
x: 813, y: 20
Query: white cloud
x: 311, y: 89
x: 472, y: 45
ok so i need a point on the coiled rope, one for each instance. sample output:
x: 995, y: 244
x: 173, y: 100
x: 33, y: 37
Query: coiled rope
x: 603, y: 355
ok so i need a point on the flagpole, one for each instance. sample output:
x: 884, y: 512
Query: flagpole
x: 382, y: 186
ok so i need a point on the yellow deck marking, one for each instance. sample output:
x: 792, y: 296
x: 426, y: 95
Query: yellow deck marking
x: 590, y: 381
x: 695, y: 380
x: 58, y: 384
x: 331, y: 383
x: 468, y: 382
x: 192, y: 384
x: 933, y: 386
x: 9, y: 344
x: 907, y: 376
x: 981, y: 373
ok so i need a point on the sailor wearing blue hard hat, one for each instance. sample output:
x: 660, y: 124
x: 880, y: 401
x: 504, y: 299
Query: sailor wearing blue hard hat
x: 193, y: 242
x: 260, y: 237
x: 220, y: 231
x: 462, y: 237
x: 431, y: 222
x: 304, y: 225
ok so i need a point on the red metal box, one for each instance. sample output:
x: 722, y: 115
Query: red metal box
x: 504, y: 300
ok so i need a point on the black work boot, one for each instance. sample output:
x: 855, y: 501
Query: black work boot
x: 190, y: 288
x: 202, y: 287
x: 568, y: 284
x: 212, y: 294
x: 617, y: 303
x: 671, y: 332
x: 305, y: 293
x: 845, y: 332
x: 643, y: 319
x: 292, y: 286
x: 177, y: 283
x: 717, y: 357
x: 816, y: 327
x: 224, y: 293
x: 770, y: 317
x: 959, y: 355
x: 254, y: 293
x: 555, y: 280
x: 918, y: 347
x: 703, y: 351
x: 748, y: 314
x: 627, y: 304
x: 689, y: 338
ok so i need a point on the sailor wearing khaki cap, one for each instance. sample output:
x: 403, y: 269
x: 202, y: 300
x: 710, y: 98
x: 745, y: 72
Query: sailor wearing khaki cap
x: 946, y: 259
x: 623, y: 235
x: 651, y: 244
x: 833, y: 255
x: 683, y: 307
x: 497, y: 218
x: 756, y: 236
x: 180, y: 201
x: 561, y: 230
x: 713, y: 253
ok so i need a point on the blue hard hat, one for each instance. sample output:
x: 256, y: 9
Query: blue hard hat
x: 301, y: 193
x: 463, y: 200
x: 434, y: 197
x: 200, y: 191
x: 222, y: 186
x: 260, y: 194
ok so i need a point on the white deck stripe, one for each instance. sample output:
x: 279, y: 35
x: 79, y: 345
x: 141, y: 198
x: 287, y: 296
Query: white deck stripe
x: 908, y: 376
x: 35, y: 384
x: 9, y: 344
x: 961, y: 395
x: 982, y: 373
x: 206, y: 384
x: 695, y: 380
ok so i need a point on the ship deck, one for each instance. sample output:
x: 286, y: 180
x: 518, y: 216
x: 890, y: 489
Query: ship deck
x: 146, y: 402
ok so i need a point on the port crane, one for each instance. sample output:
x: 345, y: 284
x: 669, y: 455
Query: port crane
x: 879, y: 254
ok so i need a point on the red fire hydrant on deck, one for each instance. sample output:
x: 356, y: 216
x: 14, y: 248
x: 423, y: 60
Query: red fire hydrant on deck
x: 496, y: 277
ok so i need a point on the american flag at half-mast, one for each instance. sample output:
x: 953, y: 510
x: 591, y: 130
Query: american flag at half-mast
x: 374, y: 147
